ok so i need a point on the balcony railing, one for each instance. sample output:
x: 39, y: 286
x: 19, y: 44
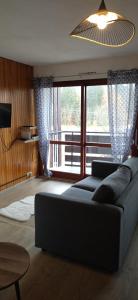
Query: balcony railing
x: 67, y: 158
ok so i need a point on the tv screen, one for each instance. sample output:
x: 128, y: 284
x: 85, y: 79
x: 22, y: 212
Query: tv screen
x: 5, y: 115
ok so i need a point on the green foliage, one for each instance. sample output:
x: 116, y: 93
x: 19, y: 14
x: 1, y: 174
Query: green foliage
x: 70, y: 106
x: 97, y: 107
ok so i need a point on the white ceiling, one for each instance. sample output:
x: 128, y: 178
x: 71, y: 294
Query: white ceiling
x: 37, y: 31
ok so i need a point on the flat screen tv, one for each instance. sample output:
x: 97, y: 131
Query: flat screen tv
x: 5, y: 115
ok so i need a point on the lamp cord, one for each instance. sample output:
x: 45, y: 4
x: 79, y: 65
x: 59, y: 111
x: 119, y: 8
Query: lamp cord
x: 5, y: 147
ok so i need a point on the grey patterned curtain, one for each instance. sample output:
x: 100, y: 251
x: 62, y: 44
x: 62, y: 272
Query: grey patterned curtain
x: 43, y: 105
x: 123, y: 108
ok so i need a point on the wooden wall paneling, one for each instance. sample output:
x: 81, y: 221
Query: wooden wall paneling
x: 16, y: 88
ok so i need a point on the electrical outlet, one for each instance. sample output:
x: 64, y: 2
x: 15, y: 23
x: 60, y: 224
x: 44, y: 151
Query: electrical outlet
x: 29, y: 174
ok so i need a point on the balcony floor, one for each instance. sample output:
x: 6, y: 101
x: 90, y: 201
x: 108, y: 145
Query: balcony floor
x: 70, y: 169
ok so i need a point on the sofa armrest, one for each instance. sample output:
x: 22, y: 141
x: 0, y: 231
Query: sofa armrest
x: 103, y: 168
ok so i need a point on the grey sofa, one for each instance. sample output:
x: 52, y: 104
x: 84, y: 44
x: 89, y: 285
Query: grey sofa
x: 94, y: 220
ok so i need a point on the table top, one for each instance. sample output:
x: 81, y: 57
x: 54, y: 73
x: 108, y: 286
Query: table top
x: 14, y: 263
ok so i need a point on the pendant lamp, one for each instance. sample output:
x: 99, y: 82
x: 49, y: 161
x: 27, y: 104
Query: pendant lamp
x: 105, y: 28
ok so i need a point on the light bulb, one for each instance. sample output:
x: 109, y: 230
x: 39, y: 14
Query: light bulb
x: 111, y: 16
x: 102, y: 20
x: 93, y: 18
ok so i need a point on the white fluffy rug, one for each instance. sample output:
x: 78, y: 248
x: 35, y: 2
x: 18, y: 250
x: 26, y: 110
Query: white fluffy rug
x: 20, y: 210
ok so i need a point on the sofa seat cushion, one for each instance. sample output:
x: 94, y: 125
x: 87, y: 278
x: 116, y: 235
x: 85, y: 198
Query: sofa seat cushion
x: 78, y: 195
x: 90, y: 183
x: 112, y: 186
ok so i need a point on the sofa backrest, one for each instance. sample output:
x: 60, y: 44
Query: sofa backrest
x: 132, y: 163
x: 112, y: 187
x: 102, y: 169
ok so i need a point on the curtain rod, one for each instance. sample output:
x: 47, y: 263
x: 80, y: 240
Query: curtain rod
x: 81, y: 74
x: 90, y: 73
x: 77, y: 75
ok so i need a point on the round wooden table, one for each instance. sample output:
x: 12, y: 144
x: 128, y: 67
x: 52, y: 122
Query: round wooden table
x: 14, y: 263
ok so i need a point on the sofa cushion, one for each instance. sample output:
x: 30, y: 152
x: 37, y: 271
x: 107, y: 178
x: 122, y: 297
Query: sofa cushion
x: 132, y: 163
x: 90, y: 183
x: 112, y: 186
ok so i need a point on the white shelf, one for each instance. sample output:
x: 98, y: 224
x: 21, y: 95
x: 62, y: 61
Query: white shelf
x: 26, y: 141
x: 29, y: 127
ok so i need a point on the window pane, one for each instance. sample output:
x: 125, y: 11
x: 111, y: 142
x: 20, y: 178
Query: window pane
x: 97, y: 114
x: 100, y: 153
x: 66, y: 112
x: 65, y: 158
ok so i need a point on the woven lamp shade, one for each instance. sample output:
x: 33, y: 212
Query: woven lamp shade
x: 116, y: 33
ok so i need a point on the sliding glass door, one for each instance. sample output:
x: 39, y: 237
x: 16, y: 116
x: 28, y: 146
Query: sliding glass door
x: 80, y: 129
x: 65, y: 150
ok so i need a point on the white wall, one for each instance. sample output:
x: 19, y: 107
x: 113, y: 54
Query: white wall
x: 100, y: 66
